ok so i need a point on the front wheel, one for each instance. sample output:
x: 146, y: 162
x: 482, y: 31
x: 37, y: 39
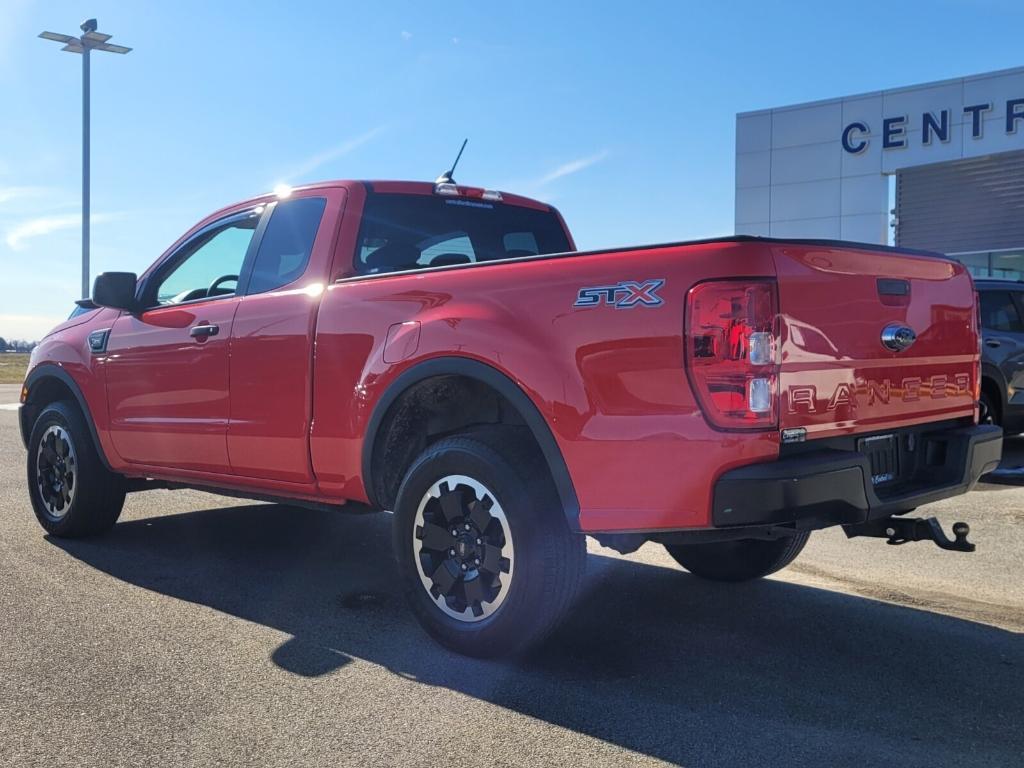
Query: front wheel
x: 486, y: 556
x: 72, y: 493
x: 739, y: 560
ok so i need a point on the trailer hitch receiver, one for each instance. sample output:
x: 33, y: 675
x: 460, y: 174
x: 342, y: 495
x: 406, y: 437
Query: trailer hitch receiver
x: 900, y: 530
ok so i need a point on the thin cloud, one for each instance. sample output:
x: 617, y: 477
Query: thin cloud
x: 17, y: 15
x: 45, y: 225
x: 327, y: 156
x: 7, y: 194
x: 573, y: 166
x: 406, y: 35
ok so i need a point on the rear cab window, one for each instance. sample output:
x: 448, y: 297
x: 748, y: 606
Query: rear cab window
x: 407, y: 231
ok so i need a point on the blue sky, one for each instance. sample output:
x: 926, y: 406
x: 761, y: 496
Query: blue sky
x: 623, y: 115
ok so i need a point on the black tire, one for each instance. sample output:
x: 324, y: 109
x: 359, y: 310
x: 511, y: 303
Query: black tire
x: 988, y: 410
x: 540, y: 573
x: 90, y: 497
x: 739, y: 560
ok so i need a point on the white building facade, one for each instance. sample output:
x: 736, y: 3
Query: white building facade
x: 955, y: 149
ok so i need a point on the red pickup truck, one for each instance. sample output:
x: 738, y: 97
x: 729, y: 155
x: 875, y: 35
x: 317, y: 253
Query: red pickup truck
x: 443, y: 352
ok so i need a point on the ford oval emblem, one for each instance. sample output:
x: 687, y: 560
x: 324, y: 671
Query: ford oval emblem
x: 897, y: 337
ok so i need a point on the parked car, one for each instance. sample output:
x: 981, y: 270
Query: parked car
x: 442, y: 351
x: 1001, y: 304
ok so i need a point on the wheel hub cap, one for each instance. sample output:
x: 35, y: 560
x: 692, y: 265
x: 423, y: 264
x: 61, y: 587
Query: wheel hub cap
x: 56, y: 471
x: 462, y: 545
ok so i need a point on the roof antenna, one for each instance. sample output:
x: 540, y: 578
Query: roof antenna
x: 446, y: 177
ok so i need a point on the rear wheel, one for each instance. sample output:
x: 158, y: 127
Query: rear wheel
x: 487, y: 559
x: 72, y: 493
x: 739, y: 560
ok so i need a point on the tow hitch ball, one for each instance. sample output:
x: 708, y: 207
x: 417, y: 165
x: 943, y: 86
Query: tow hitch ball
x: 900, y: 530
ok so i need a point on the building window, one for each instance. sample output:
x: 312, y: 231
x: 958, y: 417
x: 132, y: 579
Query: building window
x: 1001, y: 265
x: 1008, y: 266
x: 976, y: 263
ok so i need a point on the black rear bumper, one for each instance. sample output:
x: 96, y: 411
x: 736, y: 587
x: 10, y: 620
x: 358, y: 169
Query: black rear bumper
x: 814, y: 488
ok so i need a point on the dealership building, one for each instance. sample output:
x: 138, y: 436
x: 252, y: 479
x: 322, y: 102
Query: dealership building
x: 938, y: 166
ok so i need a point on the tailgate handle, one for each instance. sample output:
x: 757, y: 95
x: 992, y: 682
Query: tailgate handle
x: 888, y: 286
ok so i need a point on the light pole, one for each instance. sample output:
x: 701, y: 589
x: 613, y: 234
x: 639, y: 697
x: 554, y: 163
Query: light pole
x: 90, y: 40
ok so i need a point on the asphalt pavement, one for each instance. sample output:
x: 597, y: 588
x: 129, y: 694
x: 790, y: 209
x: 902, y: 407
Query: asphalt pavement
x: 209, y: 631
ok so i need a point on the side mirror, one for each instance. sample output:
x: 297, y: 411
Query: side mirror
x: 116, y: 290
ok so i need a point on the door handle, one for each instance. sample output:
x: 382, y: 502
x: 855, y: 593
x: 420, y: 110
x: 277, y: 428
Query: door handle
x: 991, y: 343
x: 203, y: 331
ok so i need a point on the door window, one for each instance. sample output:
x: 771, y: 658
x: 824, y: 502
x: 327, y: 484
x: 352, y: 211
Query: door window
x: 209, y: 265
x: 999, y: 313
x: 287, y: 243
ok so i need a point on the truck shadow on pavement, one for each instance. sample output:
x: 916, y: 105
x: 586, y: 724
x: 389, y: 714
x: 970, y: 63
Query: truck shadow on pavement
x: 651, y: 659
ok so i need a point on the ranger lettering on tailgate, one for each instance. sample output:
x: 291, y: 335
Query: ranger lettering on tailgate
x: 805, y: 399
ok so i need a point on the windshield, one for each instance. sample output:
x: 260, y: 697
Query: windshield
x: 402, y: 232
x: 81, y: 307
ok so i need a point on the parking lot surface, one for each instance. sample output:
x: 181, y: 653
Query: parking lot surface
x: 210, y: 631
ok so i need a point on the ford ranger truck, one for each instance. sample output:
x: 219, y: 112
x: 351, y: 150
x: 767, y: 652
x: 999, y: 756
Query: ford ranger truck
x: 443, y: 352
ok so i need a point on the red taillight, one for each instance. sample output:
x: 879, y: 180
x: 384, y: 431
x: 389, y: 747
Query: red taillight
x: 732, y: 352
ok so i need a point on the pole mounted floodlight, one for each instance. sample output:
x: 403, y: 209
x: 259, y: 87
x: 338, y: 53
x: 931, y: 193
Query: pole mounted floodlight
x: 90, y: 40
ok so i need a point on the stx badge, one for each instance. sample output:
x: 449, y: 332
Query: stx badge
x: 624, y: 295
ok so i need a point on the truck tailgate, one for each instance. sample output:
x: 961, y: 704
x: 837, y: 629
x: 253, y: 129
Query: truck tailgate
x: 837, y: 375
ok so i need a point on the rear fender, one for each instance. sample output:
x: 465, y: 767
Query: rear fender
x: 500, y: 382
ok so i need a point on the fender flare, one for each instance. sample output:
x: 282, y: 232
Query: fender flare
x: 54, y: 371
x: 487, y: 374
